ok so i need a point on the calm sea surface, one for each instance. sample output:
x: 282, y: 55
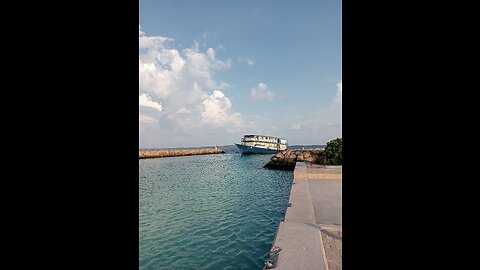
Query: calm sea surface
x: 209, y: 212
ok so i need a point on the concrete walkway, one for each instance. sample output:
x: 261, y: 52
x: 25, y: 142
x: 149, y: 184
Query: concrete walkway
x: 310, y: 237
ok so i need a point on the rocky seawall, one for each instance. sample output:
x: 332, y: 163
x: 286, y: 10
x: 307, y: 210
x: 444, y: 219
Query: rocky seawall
x: 287, y: 159
x: 180, y: 152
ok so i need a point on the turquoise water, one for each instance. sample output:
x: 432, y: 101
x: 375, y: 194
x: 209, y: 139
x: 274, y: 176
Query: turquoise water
x: 209, y: 212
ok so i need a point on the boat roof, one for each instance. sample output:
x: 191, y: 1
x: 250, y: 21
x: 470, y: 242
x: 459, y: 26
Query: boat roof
x: 253, y: 135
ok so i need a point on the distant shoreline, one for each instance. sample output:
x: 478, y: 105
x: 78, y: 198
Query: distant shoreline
x: 144, y: 154
x: 290, y: 147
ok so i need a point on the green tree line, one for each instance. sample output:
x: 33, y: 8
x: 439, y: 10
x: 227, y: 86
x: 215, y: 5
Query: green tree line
x: 333, y: 152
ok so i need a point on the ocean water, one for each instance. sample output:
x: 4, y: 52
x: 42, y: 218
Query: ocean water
x: 210, y: 211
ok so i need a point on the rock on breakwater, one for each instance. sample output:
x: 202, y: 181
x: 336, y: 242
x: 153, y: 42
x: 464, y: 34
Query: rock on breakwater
x: 287, y: 159
x: 180, y: 152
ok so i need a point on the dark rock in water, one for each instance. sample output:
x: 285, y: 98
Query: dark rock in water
x: 276, y: 166
x: 287, y: 159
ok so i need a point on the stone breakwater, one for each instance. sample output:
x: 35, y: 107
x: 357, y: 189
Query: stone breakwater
x: 180, y: 152
x: 287, y: 159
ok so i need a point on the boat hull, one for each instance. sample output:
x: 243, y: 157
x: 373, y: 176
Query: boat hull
x: 255, y: 150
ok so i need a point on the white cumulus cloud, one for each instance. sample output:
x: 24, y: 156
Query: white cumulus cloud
x: 145, y: 119
x: 338, y: 97
x: 146, y: 101
x: 261, y: 93
x: 217, y: 110
x: 249, y: 61
x: 175, y: 89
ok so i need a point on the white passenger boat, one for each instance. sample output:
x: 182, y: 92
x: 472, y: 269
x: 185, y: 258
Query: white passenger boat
x: 260, y: 144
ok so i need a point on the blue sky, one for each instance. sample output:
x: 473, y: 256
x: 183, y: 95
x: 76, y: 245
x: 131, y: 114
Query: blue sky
x: 211, y: 71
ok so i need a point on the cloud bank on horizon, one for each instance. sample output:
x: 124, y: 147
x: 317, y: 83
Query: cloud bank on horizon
x: 182, y: 104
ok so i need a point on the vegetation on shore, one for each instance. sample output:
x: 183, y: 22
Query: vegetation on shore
x: 286, y: 160
x: 333, y: 152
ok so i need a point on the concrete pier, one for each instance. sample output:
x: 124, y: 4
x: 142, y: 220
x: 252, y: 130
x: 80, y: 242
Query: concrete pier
x: 178, y: 152
x: 310, y: 237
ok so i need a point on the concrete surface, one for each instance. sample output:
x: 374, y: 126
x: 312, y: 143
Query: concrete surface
x: 310, y: 237
x: 327, y: 201
x: 301, y: 246
x: 301, y: 209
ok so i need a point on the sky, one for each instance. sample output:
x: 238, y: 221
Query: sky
x: 212, y: 71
